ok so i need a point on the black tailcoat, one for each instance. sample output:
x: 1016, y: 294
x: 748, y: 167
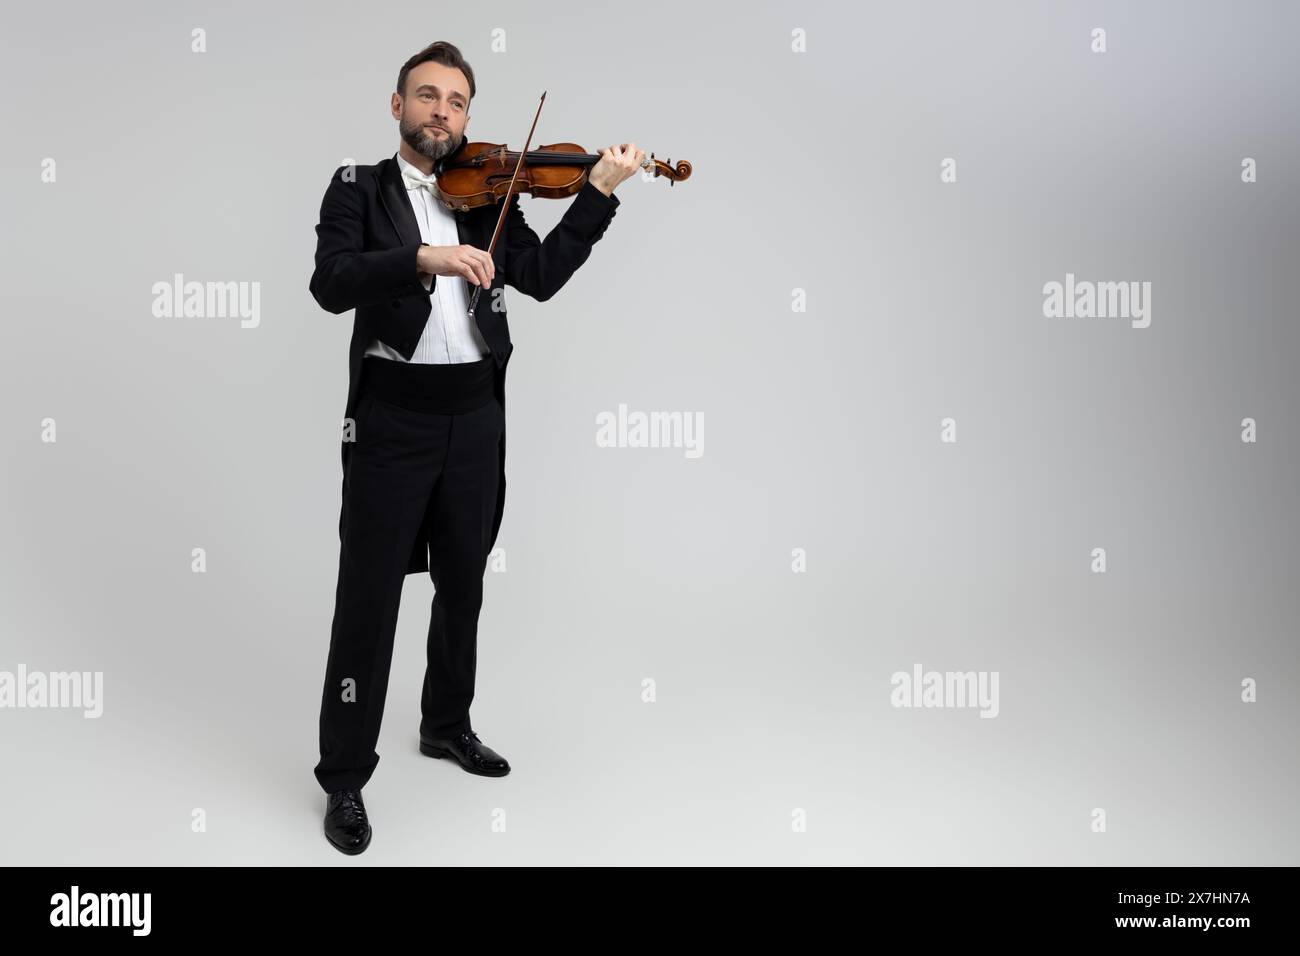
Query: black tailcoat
x: 366, y: 244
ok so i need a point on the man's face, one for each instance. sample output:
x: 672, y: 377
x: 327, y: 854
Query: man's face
x: 433, y: 114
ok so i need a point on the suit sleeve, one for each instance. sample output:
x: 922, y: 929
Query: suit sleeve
x: 345, y: 275
x: 539, y: 268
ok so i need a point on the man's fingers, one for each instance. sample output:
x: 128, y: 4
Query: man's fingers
x: 629, y: 157
x: 481, y: 266
x: 469, y: 268
x: 489, y: 267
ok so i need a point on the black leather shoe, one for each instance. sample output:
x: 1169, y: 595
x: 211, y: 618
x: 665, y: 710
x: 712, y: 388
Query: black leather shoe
x: 346, y: 825
x: 469, y: 752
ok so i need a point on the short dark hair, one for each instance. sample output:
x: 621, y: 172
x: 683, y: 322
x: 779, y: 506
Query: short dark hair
x: 448, y: 54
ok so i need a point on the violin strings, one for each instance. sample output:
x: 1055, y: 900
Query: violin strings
x: 534, y: 154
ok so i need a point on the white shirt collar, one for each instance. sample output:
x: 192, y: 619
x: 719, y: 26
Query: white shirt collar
x: 412, y: 169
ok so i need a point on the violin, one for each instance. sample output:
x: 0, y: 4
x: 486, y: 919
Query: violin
x: 476, y: 175
x: 480, y: 174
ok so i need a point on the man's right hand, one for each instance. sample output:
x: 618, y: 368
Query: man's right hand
x: 469, y: 262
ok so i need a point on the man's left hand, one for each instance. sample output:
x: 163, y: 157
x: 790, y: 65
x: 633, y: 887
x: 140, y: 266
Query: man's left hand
x: 616, y: 164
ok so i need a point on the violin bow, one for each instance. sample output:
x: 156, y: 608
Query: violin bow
x: 505, y: 205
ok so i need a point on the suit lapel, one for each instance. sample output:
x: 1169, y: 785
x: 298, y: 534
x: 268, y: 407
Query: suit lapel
x: 392, y: 193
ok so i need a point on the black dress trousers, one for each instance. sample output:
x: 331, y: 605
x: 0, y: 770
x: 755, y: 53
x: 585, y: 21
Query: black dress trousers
x: 425, y: 449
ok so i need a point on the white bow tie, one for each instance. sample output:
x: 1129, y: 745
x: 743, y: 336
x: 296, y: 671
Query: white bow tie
x: 417, y: 180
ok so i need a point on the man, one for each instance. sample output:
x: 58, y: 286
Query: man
x: 424, y: 424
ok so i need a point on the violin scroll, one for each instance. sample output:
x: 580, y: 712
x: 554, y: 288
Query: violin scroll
x: 675, y: 174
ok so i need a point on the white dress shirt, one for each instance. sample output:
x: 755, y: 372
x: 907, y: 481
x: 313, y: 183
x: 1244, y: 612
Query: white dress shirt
x: 450, y: 335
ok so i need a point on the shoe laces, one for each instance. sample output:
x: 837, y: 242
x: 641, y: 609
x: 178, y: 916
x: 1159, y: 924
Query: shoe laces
x: 351, y: 808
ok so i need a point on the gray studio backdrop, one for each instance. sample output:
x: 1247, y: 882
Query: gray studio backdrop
x: 1079, y: 531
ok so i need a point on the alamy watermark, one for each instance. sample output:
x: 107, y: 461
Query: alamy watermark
x: 208, y: 300
x: 978, y: 689
x: 76, y: 908
x: 58, y: 689
x: 1102, y: 300
x: 626, y: 429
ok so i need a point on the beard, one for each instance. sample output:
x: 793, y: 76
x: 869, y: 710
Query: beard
x: 426, y: 142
